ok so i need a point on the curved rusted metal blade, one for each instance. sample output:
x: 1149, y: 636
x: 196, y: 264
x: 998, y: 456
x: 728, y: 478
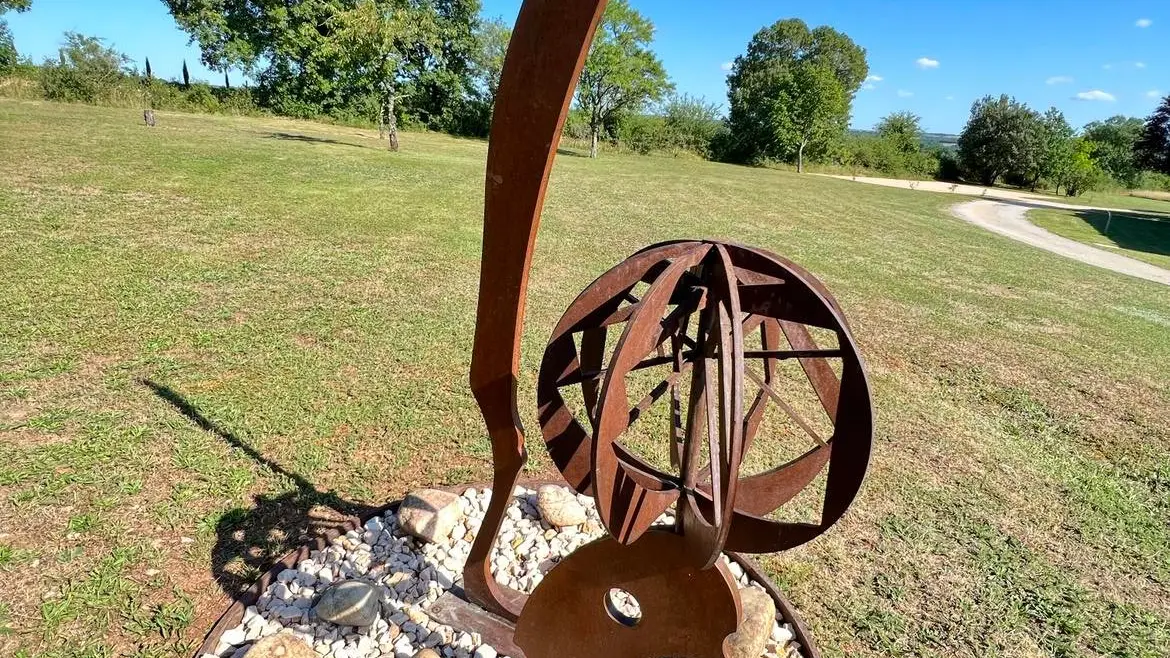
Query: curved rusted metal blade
x: 536, y: 85
x: 626, y: 504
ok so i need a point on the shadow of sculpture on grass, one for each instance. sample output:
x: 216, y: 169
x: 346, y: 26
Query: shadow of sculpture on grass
x: 250, y: 540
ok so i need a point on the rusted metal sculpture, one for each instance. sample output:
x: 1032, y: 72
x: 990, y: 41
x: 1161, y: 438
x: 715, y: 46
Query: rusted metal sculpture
x: 697, y: 305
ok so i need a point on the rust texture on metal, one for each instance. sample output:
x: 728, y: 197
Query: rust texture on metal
x: 546, y: 54
x: 685, y: 611
x: 734, y: 293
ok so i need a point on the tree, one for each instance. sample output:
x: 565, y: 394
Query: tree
x: 761, y: 76
x: 1153, y: 147
x: 1055, y: 144
x: 1116, y: 138
x: 373, y: 41
x: 291, y: 49
x: 1082, y: 173
x: 901, y: 131
x: 1000, y: 138
x: 691, y: 123
x: 493, y: 36
x: 8, y: 54
x: 14, y: 5
x: 186, y: 76
x: 149, y: 72
x: 85, y: 70
x: 810, y: 107
x: 621, y: 73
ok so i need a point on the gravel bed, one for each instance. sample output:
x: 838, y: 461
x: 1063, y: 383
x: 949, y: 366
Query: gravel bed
x: 411, y: 574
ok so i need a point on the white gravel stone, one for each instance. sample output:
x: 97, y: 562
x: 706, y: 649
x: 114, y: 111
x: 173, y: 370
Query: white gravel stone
x: 411, y: 574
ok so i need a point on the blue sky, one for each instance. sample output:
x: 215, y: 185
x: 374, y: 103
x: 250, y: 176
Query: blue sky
x: 933, y: 58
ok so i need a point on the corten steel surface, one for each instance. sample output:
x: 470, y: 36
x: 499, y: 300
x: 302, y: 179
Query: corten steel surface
x: 736, y: 293
x: 545, y: 57
x: 685, y: 611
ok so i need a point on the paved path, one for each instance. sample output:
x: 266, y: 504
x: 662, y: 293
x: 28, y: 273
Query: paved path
x: 1009, y: 219
x: 1005, y: 212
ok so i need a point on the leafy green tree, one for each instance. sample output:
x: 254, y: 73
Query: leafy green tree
x: 1082, y: 174
x: 902, y: 131
x: 14, y: 5
x: 1000, y: 138
x: 372, y: 40
x: 8, y: 54
x: 762, y: 79
x: 86, y: 69
x: 1153, y: 147
x: 692, y: 123
x: 808, y: 110
x: 1055, y: 144
x: 621, y: 73
x: 493, y: 36
x: 186, y: 76
x: 292, y: 49
x: 1116, y: 138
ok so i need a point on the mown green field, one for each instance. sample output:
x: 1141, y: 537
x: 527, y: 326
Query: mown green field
x: 310, y: 297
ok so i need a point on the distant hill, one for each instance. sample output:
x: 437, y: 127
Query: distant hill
x: 940, y: 139
x: 945, y: 140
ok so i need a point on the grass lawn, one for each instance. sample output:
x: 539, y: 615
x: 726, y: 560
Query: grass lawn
x: 1116, y: 200
x: 1141, y: 235
x: 308, y: 298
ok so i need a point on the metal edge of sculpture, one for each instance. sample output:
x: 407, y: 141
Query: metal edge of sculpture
x: 701, y: 300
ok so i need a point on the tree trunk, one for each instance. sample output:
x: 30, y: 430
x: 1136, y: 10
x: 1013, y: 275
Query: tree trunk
x: 800, y: 159
x: 382, y: 120
x: 391, y: 124
x: 593, y: 137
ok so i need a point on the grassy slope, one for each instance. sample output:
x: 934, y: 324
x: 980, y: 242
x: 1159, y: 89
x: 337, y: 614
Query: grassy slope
x: 1144, y: 236
x: 314, y: 300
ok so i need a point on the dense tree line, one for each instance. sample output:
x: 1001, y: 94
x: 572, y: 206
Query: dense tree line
x: 1006, y: 141
x: 436, y: 64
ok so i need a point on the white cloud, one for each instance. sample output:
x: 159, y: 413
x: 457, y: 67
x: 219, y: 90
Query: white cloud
x: 874, y: 78
x: 902, y: 93
x: 1058, y: 80
x: 1139, y: 65
x: 1094, y: 95
x: 869, y: 86
x: 926, y: 63
x: 726, y: 66
x: 1153, y: 93
x: 1144, y: 22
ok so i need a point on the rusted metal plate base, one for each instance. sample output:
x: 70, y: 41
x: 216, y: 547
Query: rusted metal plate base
x: 455, y: 611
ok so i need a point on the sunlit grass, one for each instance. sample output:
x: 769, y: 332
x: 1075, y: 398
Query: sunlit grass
x: 313, y: 299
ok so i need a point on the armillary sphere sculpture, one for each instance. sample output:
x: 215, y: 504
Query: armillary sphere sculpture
x: 690, y: 309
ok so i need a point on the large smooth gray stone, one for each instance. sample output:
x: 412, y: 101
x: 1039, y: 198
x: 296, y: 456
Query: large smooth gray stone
x: 348, y: 603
